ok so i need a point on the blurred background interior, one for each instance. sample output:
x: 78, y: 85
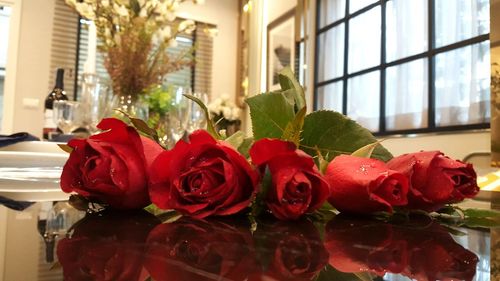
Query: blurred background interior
x: 420, y: 74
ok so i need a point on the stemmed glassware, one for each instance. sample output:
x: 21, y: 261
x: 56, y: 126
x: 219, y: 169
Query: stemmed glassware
x: 184, y: 117
x: 97, y: 99
x: 68, y: 115
x: 196, y: 118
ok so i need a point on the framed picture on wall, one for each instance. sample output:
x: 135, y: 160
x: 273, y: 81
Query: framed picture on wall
x: 280, y: 47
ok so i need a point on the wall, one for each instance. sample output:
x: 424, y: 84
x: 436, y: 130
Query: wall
x: 276, y: 8
x: 224, y: 14
x: 31, y: 78
x: 456, y: 145
x: 23, y: 244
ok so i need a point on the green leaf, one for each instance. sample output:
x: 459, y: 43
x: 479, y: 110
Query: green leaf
x: 288, y: 81
x: 169, y: 217
x: 259, y: 205
x: 453, y: 230
x: 65, y: 147
x: 481, y: 213
x: 325, y: 213
x: 294, y: 129
x: 141, y: 126
x: 236, y: 139
x: 334, y: 134
x: 210, y: 125
x: 330, y: 273
x: 322, y: 163
x: 244, y: 148
x: 55, y: 266
x: 366, y: 151
x: 364, y: 276
x: 270, y: 115
x: 78, y: 202
x: 481, y: 222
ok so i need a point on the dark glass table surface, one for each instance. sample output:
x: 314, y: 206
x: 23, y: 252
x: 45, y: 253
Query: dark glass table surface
x: 50, y: 241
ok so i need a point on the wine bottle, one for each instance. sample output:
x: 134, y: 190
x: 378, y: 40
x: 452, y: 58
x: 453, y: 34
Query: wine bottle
x: 57, y: 93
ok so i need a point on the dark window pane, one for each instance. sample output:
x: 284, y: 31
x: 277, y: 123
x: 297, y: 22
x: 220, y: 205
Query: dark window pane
x: 364, y: 40
x: 331, y: 53
x: 330, y: 97
x: 363, y: 99
x: 457, y: 20
x: 406, y: 28
x: 463, y: 85
x: 407, y: 95
x: 331, y: 11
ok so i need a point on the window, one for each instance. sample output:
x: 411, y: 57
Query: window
x: 399, y: 66
x: 5, y: 13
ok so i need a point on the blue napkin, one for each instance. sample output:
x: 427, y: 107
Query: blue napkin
x: 15, y: 205
x: 6, y: 140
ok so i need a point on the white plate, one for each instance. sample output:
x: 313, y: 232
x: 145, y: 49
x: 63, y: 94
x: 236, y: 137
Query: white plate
x: 34, y: 146
x: 22, y: 159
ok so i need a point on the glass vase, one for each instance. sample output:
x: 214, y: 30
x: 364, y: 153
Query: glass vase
x: 131, y: 105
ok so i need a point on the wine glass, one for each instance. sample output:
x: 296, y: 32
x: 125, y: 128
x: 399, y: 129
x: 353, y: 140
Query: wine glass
x: 196, y: 117
x: 177, y: 117
x: 68, y: 115
x: 97, y: 99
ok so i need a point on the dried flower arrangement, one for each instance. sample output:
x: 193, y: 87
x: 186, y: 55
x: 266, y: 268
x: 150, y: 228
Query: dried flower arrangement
x: 135, y: 36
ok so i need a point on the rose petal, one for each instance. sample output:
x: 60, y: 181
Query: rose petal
x: 264, y: 150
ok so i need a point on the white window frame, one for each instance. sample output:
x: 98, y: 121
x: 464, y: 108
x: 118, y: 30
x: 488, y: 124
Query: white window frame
x: 11, y: 65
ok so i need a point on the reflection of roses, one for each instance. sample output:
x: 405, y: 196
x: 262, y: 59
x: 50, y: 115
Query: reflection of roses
x: 290, y: 251
x: 421, y: 252
x: 364, y: 185
x: 297, y: 186
x: 190, y: 249
x: 435, y: 179
x: 106, y: 246
x: 111, y: 167
x: 203, y: 177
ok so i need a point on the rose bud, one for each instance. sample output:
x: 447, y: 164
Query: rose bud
x: 364, y: 185
x: 111, y: 167
x: 435, y: 179
x: 297, y: 186
x: 202, y: 177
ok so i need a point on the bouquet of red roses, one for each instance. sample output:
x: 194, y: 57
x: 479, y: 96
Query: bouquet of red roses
x: 294, y: 164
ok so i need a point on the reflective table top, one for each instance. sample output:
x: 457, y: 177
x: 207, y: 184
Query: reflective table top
x: 51, y: 241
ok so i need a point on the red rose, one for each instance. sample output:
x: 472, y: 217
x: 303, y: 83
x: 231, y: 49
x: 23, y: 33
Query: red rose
x: 190, y: 249
x: 203, y: 177
x: 111, y: 167
x: 297, y: 186
x: 289, y: 250
x: 420, y: 250
x: 106, y: 246
x: 358, y: 245
x: 435, y: 179
x: 364, y: 185
x: 435, y: 255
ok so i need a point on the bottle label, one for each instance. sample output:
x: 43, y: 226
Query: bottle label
x: 49, y: 119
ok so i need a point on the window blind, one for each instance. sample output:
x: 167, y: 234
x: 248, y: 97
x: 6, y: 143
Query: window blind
x: 203, y: 58
x: 63, y: 52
